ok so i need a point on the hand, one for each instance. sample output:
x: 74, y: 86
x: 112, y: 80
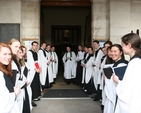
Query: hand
x: 105, y: 78
x: 68, y: 58
x: 48, y: 63
x: 50, y: 57
x: 17, y: 90
x: 27, y: 83
x: 115, y: 78
x: 55, y: 60
x: 38, y: 70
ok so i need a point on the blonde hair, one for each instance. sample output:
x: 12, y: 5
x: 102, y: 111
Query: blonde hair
x: 12, y: 40
x: 21, y: 61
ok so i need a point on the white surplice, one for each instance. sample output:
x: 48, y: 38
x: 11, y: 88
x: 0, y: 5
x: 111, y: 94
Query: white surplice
x: 110, y: 92
x: 80, y: 56
x: 7, y: 103
x: 89, y: 70
x: 27, y: 79
x: 54, y: 65
x: 96, y: 71
x: 82, y: 62
x: 69, y: 65
x: 129, y: 89
x: 43, y: 64
x: 50, y: 75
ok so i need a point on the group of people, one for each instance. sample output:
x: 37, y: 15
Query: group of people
x: 24, y: 74
x: 86, y: 69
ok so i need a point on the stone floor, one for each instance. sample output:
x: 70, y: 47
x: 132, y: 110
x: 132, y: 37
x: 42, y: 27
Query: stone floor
x: 67, y: 105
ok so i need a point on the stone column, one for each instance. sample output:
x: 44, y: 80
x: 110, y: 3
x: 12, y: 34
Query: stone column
x: 119, y: 19
x: 30, y: 19
x: 100, y: 19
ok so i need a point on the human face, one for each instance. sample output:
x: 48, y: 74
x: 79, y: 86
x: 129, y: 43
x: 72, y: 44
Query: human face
x: 20, y: 54
x: 68, y: 49
x: 116, y: 53
x: 34, y: 46
x: 106, y: 45
x: 5, y: 56
x: 15, y: 47
x: 95, y: 45
x: 86, y: 49
x: 24, y: 51
x: 48, y: 48
x: 44, y: 45
x: 109, y: 53
x: 126, y: 48
x: 79, y: 48
x: 104, y: 50
x: 90, y: 51
x: 53, y: 49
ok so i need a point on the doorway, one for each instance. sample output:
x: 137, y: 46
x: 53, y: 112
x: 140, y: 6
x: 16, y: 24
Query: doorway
x: 62, y: 36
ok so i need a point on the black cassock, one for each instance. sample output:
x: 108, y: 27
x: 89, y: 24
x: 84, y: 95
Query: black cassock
x: 79, y: 71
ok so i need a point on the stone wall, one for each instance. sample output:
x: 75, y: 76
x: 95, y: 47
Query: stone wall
x: 23, y: 12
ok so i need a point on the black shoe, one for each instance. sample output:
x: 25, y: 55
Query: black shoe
x: 68, y: 83
x: 33, y: 104
x: 54, y: 83
x: 96, y: 99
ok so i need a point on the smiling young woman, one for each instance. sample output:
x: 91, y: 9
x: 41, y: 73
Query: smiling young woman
x: 8, y: 91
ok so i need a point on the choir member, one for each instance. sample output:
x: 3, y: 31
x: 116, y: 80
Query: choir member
x: 54, y: 63
x: 32, y: 62
x: 79, y: 69
x: 110, y: 86
x: 86, y: 54
x: 88, y: 71
x: 128, y: 90
x: 9, y: 91
x: 42, y: 58
x: 25, y: 88
x: 49, y: 66
x: 96, y: 63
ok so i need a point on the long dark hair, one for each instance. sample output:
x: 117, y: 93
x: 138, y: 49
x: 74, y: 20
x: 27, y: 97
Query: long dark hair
x: 7, y: 69
x: 134, y: 40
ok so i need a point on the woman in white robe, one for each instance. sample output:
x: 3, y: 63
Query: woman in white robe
x: 110, y: 86
x: 25, y: 84
x: 8, y: 93
x: 128, y: 90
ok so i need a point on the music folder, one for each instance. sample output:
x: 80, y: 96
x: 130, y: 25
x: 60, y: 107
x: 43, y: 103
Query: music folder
x: 108, y: 71
x: 119, y: 71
